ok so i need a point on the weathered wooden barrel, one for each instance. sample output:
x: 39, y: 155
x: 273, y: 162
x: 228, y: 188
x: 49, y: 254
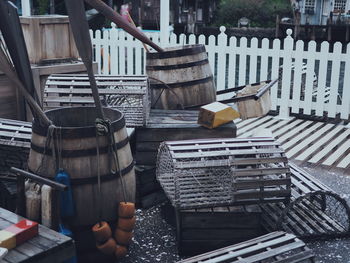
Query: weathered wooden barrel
x: 187, y: 74
x: 76, y: 144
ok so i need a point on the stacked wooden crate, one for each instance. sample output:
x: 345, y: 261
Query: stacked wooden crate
x: 217, y: 185
x: 127, y: 94
x: 14, y: 150
x: 165, y: 125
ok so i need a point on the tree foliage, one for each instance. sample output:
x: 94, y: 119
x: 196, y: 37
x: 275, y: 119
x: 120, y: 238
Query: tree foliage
x: 262, y: 13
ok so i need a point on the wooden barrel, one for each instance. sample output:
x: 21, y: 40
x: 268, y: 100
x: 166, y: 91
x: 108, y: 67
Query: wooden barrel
x: 186, y: 72
x: 76, y: 136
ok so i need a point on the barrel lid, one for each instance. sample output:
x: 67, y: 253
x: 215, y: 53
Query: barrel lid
x: 174, y: 52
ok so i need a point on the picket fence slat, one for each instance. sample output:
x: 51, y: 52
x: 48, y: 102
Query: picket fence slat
x: 309, y: 85
x: 298, y: 64
x: 235, y: 63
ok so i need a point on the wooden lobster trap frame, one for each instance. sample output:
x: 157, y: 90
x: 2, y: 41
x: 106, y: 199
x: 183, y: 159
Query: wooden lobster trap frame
x: 315, y: 210
x: 130, y: 95
x: 273, y: 247
x: 216, y: 172
x: 15, y: 139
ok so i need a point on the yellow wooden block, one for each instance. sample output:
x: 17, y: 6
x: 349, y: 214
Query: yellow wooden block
x: 7, y: 239
x: 216, y: 114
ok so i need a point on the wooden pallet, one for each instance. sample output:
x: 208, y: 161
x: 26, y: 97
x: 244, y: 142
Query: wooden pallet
x: 315, y: 211
x: 273, y: 247
x: 216, y: 172
x: 204, y: 229
x: 165, y: 125
x: 315, y: 142
x: 15, y: 139
x: 127, y: 94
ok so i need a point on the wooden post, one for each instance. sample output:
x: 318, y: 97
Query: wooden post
x: 21, y: 198
x: 164, y: 22
x: 25, y: 7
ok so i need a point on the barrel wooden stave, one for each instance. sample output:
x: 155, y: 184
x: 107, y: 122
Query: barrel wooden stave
x: 187, y: 73
x: 81, y: 167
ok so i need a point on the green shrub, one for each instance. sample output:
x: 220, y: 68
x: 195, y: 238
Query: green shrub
x: 262, y: 13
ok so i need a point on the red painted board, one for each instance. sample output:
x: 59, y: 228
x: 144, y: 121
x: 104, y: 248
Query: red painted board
x: 24, y: 230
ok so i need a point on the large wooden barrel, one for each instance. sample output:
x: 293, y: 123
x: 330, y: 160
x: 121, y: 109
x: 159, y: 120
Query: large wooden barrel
x: 76, y: 136
x: 187, y: 74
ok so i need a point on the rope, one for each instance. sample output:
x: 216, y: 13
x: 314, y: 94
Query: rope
x: 98, y: 133
x: 49, y: 136
x: 169, y: 88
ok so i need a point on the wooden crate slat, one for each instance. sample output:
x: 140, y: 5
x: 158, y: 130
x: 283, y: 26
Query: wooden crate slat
x: 275, y: 247
x: 128, y: 94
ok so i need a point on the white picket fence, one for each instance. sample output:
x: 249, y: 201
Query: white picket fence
x: 311, y: 80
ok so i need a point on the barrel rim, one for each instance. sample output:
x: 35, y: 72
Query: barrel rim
x: 185, y: 84
x: 184, y: 51
x: 78, y: 132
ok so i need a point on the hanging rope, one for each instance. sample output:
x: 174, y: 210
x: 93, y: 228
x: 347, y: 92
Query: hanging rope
x: 103, y: 128
x: 49, y: 136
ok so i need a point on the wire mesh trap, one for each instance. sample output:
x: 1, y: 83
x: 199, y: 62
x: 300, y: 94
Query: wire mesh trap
x: 315, y: 211
x: 214, y: 172
x: 130, y: 95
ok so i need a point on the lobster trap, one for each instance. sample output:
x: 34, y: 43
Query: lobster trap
x: 216, y: 172
x: 130, y: 95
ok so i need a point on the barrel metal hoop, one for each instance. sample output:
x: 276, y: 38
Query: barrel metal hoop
x: 93, y: 180
x: 182, y: 84
x: 71, y: 133
x: 79, y: 153
x: 179, y: 66
x: 177, y: 53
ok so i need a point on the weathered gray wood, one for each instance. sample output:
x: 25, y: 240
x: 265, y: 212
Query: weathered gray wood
x: 273, y: 247
x: 188, y: 78
x: 204, y: 173
x: 129, y: 95
x: 84, y: 166
x: 315, y: 210
x: 204, y: 229
x: 48, y: 38
x: 47, y: 247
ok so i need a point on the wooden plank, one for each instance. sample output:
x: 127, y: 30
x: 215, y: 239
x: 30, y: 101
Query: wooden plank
x: 320, y: 143
x: 254, y: 124
x: 294, y: 131
x: 330, y: 146
x: 301, y: 137
x: 307, y: 142
x: 286, y: 128
x: 336, y: 155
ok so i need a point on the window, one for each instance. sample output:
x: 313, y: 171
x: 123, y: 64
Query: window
x: 309, y: 6
x: 339, y: 5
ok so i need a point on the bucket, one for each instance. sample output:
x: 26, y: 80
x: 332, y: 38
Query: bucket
x: 180, y: 77
x: 77, y: 140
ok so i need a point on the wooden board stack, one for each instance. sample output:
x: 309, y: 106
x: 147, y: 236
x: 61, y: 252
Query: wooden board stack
x: 14, y: 150
x: 127, y: 94
x: 164, y: 125
x: 273, y: 247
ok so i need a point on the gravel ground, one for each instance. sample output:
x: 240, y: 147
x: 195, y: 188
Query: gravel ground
x: 154, y: 239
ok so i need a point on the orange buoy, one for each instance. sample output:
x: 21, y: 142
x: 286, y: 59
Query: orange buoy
x: 127, y: 224
x: 108, y: 247
x: 120, y: 251
x: 126, y: 209
x: 123, y: 237
x: 102, y: 232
